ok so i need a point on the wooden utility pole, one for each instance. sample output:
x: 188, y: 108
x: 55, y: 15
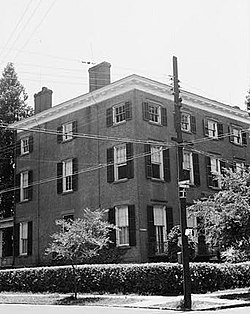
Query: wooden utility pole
x: 182, y: 190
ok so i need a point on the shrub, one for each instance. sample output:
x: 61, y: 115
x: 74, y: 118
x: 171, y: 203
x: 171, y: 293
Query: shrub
x: 145, y: 279
x: 233, y: 255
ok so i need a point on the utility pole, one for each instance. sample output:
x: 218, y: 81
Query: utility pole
x: 182, y: 190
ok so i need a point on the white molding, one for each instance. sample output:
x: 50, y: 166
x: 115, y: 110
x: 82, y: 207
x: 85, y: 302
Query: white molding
x: 130, y: 83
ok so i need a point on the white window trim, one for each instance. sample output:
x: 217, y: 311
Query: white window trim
x: 191, y: 168
x: 157, y: 208
x: 67, y: 136
x: 188, y: 123
x: 118, y: 237
x: 216, y: 172
x: 160, y: 163
x: 23, y: 152
x: 23, y: 252
x: 234, y: 128
x: 22, y: 186
x: 114, y: 114
x: 116, y: 164
x: 211, y: 130
x: 65, y: 175
x: 150, y: 103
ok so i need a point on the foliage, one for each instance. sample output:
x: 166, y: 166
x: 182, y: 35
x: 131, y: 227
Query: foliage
x: 79, y: 240
x: 247, y: 101
x: 234, y: 255
x: 173, y: 246
x: 225, y: 216
x: 143, y: 279
x: 12, y: 109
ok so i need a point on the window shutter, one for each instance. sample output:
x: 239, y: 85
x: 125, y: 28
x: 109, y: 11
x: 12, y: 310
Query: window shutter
x: 151, y: 231
x: 109, y: 117
x: 59, y: 134
x: 209, y: 174
x: 166, y: 165
x: 193, y: 124
x: 30, y: 232
x: 148, y: 165
x: 30, y: 187
x: 244, y: 138
x: 231, y: 137
x: 222, y: 167
x: 16, y: 239
x: 220, y: 131
x: 110, y: 167
x: 164, y: 116
x: 145, y: 111
x: 59, y: 178
x: 75, y: 174
x: 18, y: 148
x: 128, y: 110
x: 205, y: 124
x: 30, y: 144
x: 74, y: 127
x: 196, y: 169
x: 130, y: 161
x: 132, y: 226
x: 112, y: 233
x: 170, y: 221
x: 17, y: 187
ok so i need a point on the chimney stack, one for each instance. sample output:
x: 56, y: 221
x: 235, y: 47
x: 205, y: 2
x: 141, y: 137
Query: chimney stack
x: 43, y: 100
x: 99, y: 76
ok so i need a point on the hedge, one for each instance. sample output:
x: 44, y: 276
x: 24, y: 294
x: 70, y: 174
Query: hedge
x: 144, y: 279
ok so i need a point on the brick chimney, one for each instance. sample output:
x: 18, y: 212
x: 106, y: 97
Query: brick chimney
x: 99, y: 76
x: 43, y: 100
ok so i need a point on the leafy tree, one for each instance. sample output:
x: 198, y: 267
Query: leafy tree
x: 79, y: 240
x: 247, y: 101
x: 225, y: 216
x: 12, y: 108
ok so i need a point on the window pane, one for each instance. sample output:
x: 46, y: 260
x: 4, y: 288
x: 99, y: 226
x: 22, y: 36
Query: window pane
x: 119, y: 113
x: 154, y: 113
x: 67, y: 175
x: 122, y: 172
x: 121, y: 154
x: 156, y: 171
x: 67, y: 131
x: 185, y: 122
x: 156, y: 154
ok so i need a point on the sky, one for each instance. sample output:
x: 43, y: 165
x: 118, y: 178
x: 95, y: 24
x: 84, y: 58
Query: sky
x: 50, y: 41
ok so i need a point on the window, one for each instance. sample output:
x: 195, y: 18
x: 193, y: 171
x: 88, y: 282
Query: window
x: 157, y: 162
x: 119, y: 113
x: 185, y: 122
x: 237, y: 135
x: 25, y: 145
x: 120, y: 162
x: 160, y: 228
x: 67, y: 175
x: 213, y: 129
x: 214, y: 166
x: 154, y: 112
x: 122, y: 222
x: 23, y: 238
x: 24, y: 191
x: 188, y: 165
x: 66, y: 131
x: 239, y: 166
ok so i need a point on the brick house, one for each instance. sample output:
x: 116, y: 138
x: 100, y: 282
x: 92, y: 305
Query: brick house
x: 112, y: 148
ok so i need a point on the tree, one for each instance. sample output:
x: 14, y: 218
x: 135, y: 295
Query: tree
x: 225, y: 215
x: 247, y: 101
x: 12, y: 108
x: 79, y: 240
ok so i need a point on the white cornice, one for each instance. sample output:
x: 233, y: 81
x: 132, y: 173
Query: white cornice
x: 124, y: 85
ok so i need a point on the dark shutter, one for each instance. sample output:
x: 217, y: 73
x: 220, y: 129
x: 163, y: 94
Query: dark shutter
x: 132, y: 226
x: 130, y: 161
x: 196, y: 169
x: 148, y: 165
x: 244, y: 138
x: 151, y: 231
x: 74, y: 127
x: 209, y: 174
x: 18, y: 148
x: 30, y: 144
x: 163, y: 116
x: 145, y: 111
x: 220, y: 131
x: 166, y: 165
x: 75, y: 174
x: 30, y: 232
x: 109, y: 117
x: 112, y: 233
x: 128, y: 110
x: 110, y: 166
x: 170, y: 221
x: 193, y: 124
x: 17, y: 187
x: 205, y: 124
x: 16, y: 239
x: 30, y: 185
x: 59, y: 134
x: 59, y: 178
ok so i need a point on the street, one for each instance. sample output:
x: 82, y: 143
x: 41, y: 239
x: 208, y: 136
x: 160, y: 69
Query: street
x: 56, y: 309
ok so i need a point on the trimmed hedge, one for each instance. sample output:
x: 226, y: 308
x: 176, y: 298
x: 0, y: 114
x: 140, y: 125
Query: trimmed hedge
x: 145, y: 279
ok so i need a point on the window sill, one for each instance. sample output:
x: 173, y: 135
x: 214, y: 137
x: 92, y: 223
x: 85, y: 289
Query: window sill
x: 119, y: 123
x: 67, y: 192
x: 238, y: 145
x: 155, y: 123
x: 24, y: 154
x: 123, y: 247
x: 67, y: 141
x: 23, y: 255
x: 157, y: 180
x: 121, y: 181
x: 24, y: 201
x: 186, y: 131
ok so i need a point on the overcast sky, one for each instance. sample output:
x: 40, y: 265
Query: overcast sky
x: 47, y: 40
